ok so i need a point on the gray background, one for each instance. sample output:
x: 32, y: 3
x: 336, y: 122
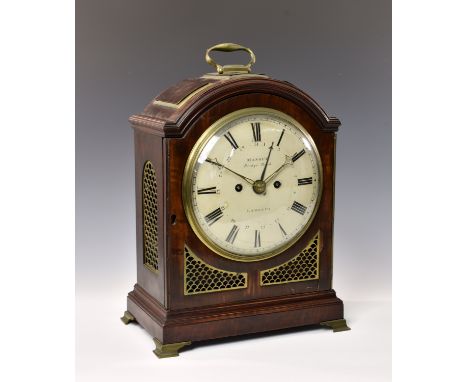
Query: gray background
x: 129, y: 51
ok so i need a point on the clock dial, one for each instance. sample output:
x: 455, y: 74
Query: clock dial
x: 252, y: 184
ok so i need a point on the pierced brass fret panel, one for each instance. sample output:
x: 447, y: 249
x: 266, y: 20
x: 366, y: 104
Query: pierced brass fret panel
x: 150, y: 218
x: 200, y: 277
x: 302, y: 267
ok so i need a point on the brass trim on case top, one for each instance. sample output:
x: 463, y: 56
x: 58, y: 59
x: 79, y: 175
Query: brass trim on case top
x: 185, y: 99
x: 190, y: 165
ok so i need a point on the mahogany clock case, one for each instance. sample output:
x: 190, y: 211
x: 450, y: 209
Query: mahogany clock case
x: 164, y: 134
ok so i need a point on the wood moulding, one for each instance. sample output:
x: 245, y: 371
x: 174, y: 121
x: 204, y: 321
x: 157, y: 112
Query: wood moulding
x: 224, y: 320
x: 172, y: 122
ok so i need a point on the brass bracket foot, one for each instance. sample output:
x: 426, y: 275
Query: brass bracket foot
x: 168, y: 350
x: 336, y: 325
x: 127, y: 317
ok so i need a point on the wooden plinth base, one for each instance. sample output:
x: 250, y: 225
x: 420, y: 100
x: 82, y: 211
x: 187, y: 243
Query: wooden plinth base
x: 172, y: 330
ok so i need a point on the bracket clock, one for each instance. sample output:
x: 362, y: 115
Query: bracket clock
x: 234, y: 180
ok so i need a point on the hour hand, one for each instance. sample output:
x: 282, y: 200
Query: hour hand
x: 216, y: 163
x: 287, y: 161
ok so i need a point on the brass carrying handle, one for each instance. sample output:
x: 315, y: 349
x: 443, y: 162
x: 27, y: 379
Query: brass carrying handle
x: 230, y: 47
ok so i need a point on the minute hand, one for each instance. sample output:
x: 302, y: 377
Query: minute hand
x: 216, y: 163
x: 287, y: 162
x: 266, y: 163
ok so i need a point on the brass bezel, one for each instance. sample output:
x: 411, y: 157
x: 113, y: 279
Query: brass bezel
x: 187, y: 183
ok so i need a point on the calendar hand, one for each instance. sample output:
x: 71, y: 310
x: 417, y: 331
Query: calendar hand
x: 216, y: 163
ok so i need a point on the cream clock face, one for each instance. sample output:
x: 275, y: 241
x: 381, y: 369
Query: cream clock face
x: 252, y: 184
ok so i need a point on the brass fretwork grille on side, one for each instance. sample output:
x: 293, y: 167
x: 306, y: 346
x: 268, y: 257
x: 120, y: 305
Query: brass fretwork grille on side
x: 200, y: 277
x: 301, y: 267
x: 150, y: 218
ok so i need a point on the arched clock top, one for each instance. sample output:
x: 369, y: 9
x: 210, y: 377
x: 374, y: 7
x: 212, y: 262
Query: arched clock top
x: 176, y: 108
